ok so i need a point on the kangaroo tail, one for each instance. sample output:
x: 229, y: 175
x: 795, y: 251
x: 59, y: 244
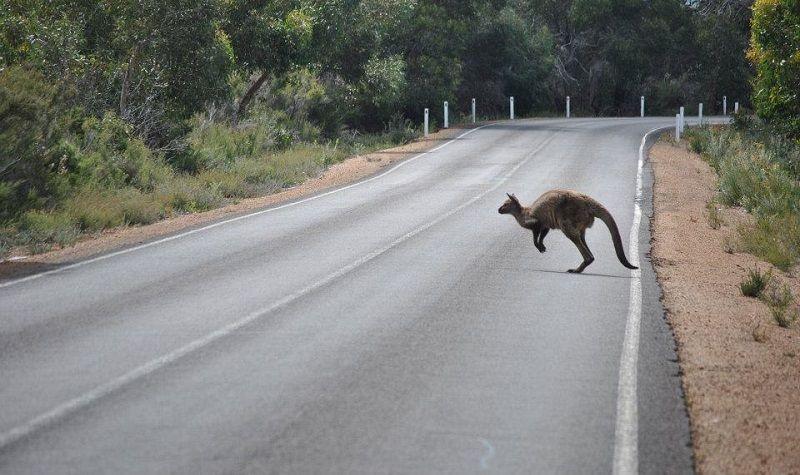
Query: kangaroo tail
x: 601, y: 212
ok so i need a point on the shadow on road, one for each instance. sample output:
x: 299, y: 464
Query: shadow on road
x: 591, y: 274
x: 10, y: 270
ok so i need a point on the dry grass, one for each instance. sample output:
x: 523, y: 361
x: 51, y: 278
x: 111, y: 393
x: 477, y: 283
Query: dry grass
x: 755, y: 283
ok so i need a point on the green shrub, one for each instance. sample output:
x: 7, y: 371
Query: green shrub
x: 756, y: 172
x: 755, y: 283
x: 98, y: 209
x: 698, y: 137
x: 28, y: 130
x: 215, y: 145
x: 188, y: 194
x: 40, y: 230
x: 228, y: 184
x: 780, y: 301
x: 773, y: 239
x: 7, y: 241
x: 715, y: 219
x: 94, y: 210
x: 774, y: 51
x: 106, y: 154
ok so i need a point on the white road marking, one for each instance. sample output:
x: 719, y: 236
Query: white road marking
x: 231, y: 220
x: 80, y: 402
x: 488, y: 455
x: 626, y: 437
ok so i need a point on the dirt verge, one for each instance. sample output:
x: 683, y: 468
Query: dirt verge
x: 347, y: 171
x: 741, y: 371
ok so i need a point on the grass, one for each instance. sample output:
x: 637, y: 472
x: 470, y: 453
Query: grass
x: 41, y: 230
x: 755, y: 283
x: 760, y: 173
x: 760, y: 333
x: 781, y: 304
x: 715, y: 219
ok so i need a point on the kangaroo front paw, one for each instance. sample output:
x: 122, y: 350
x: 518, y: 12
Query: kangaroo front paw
x: 572, y: 271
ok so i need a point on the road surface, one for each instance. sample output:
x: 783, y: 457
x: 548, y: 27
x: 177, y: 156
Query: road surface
x: 400, y: 325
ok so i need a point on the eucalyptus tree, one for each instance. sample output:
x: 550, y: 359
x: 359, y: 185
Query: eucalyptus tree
x: 268, y: 37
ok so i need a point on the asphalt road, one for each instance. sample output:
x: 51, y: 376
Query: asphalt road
x: 400, y: 325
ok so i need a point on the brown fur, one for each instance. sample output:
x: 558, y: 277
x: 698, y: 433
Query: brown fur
x: 572, y: 213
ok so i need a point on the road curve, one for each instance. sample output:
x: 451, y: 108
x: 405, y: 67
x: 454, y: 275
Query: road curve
x: 397, y: 326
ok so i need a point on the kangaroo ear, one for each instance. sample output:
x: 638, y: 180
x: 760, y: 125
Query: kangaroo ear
x: 513, y: 198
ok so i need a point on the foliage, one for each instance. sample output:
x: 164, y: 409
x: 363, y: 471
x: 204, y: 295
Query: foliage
x: 755, y: 283
x: 775, y: 52
x: 758, y: 170
x: 781, y: 304
x: 29, y: 130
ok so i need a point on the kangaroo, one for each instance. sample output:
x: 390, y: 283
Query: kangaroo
x: 572, y: 213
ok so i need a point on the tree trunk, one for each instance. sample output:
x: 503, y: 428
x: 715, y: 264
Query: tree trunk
x: 248, y: 97
x: 126, y: 81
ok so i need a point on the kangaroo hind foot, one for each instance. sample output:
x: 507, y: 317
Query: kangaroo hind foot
x: 580, y: 242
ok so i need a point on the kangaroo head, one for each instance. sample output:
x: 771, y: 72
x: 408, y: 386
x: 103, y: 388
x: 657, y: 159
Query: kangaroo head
x: 511, y: 205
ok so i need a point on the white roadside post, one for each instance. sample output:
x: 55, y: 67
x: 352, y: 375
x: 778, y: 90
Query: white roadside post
x: 446, y: 115
x: 473, y: 110
x: 700, y: 113
x: 511, y: 107
x: 682, y: 123
x: 677, y: 127
x: 425, y: 128
x: 736, y: 107
x: 641, y: 106
x: 567, y: 107
x: 724, y: 105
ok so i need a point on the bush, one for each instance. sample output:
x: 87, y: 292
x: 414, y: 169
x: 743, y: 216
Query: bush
x: 7, y: 241
x: 95, y: 210
x: 773, y: 239
x: 780, y: 301
x: 400, y: 130
x: 40, y: 230
x: 215, y: 145
x: 755, y: 283
x: 187, y: 194
x: 107, y: 155
x: 774, y: 46
x: 715, y: 219
x: 28, y: 131
x: 756, y: 172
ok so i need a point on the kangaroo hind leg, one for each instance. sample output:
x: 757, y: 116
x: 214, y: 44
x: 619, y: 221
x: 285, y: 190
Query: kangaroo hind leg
x: 542, y: 234
x: 579, y: 239
x: 538, y: 233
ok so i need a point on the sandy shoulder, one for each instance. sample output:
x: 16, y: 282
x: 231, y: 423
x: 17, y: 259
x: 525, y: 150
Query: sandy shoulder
x: 347, y: 171
x: 743, y: 396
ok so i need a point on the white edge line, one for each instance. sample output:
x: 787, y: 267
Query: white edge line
x: 237, y: 218
x: 73, y: 405
x: 626, y: 433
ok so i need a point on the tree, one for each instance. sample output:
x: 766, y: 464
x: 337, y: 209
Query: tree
x: 508, y: 56
x: 268, y: 37
x: 775, y: 53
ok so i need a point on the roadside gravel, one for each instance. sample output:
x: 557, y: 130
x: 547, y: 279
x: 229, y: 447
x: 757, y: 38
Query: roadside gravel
x: 742, y: 394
